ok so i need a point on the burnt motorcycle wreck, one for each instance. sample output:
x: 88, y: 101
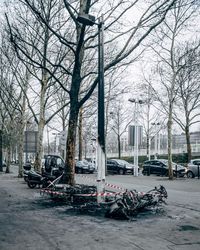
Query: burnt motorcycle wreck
x: 121, y: 205
x: 132, y: 202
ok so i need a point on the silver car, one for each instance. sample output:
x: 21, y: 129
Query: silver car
x: 192, y: 169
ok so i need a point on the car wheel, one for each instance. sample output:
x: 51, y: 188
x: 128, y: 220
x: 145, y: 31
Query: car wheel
x: 121, y: 171
x: 166, y: 173
x: 190, y: 174
x: 31, y: 185
x: 144, y: 172
x: 79, y: 171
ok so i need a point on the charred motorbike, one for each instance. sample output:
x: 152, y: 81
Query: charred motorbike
x: 132, y: 202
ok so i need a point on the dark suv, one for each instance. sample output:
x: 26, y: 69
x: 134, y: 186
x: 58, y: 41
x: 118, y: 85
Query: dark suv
x: 160, y: 167
x: 117, y: 166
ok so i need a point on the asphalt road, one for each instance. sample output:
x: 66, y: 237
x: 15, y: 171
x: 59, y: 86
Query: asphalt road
x: 31, y: 222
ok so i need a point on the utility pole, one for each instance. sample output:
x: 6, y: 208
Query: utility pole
x: 1, y: 151
x: 101, y: 156
x: 157, y: 137
x: 136, y: 134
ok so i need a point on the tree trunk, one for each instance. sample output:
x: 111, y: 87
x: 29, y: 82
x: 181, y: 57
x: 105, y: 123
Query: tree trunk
x: 21, y: 135
x: 148, y: 146
x: 189, y: 151
x: 39, y: 154
x: 69, y: 170
x: 169, y: 129
x: 80, y: 135
x: 8, y: 156
x: 21, y: 148
x: 119, y: 146
x: 148, y: 127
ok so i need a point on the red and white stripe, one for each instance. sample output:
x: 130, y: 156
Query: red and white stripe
x: 104, y: 194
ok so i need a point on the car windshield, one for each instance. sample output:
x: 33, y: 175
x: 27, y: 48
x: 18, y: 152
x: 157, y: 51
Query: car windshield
x: 166, y: 162
x: 84, y: 162
x: 195, y: 162
x: 122, y: 162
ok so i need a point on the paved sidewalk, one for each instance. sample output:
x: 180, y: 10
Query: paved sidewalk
x: 31, y: 222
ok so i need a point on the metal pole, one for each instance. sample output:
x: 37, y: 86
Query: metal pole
x: 26, y: 139
x: 149, y: 155
x: 136, y: 140
x: 101, y: 116
x: 1, y: 152
x: 156, y: 139
x: 48, y: 147
x: 134, y: 147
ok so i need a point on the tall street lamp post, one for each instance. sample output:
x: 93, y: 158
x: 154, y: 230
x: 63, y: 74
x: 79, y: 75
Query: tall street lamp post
x: 157, y: 137
x: 101, y: 159
x: 136, y: 136
x: 55, y: 142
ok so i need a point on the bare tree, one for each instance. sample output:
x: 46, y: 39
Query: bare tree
x: 34, y: 45
x: 168, y: 65
x: 10, y: 98
x: 151, y: 112
x: 186, y: 111
x: 81, y: 44
x: 121, y: 119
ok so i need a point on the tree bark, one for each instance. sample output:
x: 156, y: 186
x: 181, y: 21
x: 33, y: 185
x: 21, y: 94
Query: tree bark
x: 69, y: 170
x: 80, y: 135
x: 39, y: 154
x: 8, y: 156
x: 21, y: 147
x: 22, y: 127
x: 119, y: 146
x: 169, y: 129
x: 189, y: 151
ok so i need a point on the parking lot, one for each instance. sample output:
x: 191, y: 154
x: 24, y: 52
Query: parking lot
x: 30, y: 221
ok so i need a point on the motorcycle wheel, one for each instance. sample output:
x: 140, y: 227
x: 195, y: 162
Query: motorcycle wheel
x: 25, y: 178
x: 31, y: 185
x: 45, y: 184
x: 79, y: 171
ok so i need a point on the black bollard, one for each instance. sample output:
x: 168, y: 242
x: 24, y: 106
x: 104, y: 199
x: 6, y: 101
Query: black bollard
x: 148, y: 170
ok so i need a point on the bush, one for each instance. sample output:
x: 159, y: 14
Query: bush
x: 177, y: 158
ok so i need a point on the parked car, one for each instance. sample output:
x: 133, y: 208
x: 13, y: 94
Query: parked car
x: 192, y: 169
x: 84, y: 167
x: 118, y: 166
x: 52, y: 163
x: 160, y: 167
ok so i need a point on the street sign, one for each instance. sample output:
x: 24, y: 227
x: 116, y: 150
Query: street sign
x: 30, y: 141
